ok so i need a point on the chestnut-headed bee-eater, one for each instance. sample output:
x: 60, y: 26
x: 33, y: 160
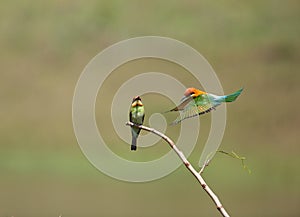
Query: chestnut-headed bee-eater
x: 196, y: 102
x: 136, y: 115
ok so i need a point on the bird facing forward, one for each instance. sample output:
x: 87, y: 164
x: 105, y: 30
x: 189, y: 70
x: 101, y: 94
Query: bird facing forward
x: 196, y: 102
x: 136, y: 116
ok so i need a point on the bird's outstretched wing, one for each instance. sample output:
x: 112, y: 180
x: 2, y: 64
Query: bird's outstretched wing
x: 182, y: 104
x: 192, y: 110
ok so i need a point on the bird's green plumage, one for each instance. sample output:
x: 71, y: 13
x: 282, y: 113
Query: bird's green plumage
x: 233, y: 96
x: 201, y: 104
x: 136, y: 115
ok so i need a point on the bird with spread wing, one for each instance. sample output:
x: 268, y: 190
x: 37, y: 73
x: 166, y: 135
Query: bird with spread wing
x: 196, y: 102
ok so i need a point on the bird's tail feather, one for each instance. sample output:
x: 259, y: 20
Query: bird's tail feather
x: 133, y: 143
x: 233, y: 96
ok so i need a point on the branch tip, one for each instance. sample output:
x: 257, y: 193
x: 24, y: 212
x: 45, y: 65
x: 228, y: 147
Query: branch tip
x: 197, y: 175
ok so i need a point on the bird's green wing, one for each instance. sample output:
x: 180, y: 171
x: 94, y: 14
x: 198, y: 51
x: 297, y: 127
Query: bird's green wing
x: 196, y: 107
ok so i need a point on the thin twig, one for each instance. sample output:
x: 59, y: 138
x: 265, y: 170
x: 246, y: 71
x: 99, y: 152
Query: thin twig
x: 197, y: 175
x: 203, y: 167
x: 236, y: 156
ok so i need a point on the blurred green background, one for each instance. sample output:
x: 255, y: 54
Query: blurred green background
x: 44, y: 46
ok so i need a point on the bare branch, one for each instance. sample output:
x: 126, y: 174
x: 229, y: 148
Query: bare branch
x: 203, y: 167
x: 197, y: 175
